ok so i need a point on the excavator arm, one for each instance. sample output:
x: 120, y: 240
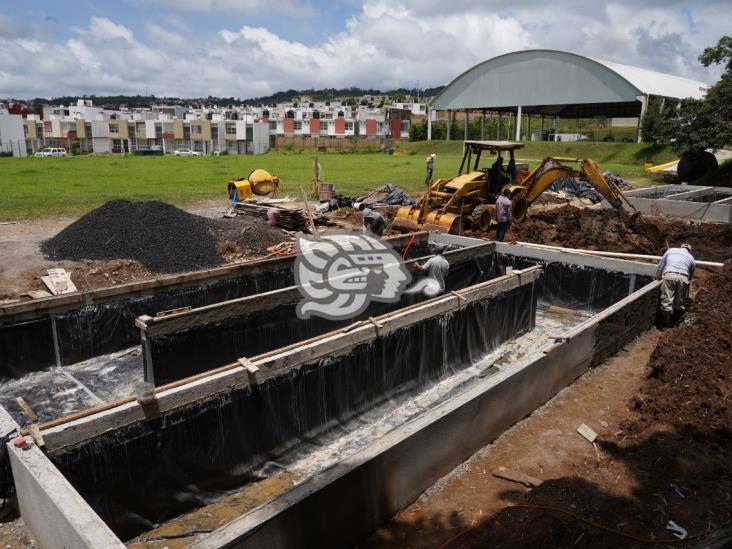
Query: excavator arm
x: 551, y: 170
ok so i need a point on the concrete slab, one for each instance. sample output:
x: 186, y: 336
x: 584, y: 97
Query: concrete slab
x: 686, y: 201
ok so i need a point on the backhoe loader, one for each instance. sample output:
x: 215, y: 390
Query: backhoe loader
x: 467, y: 201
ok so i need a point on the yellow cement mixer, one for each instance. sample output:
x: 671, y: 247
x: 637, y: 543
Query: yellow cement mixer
x: 259, y: 182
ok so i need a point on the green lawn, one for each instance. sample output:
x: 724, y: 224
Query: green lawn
x: 45, y: 187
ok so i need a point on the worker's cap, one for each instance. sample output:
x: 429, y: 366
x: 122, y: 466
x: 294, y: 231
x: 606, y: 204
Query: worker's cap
x: 433, y: 155
x: 687, y: 246
x: 439, y: 248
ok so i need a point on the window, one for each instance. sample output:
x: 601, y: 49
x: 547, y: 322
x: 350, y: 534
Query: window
x: 25, y: 130
x: 196, y: 129
x: 273, y: 125
x: 324, y: 126
x: 404, y: 126
x: 298, y: 125
x: 71, y: 127
x: 379, y: 127
x: 47, y: 127
x: 114, y: 128
x: 230, y: 129
x: 349, y: 126
x: 140, y: 127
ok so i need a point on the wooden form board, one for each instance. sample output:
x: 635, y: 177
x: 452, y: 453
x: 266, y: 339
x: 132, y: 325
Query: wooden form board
x: 224, y: 310
x: 59, y: 303
x: 59, y: 434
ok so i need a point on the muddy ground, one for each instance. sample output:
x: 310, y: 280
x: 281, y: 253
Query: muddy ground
x: 661, y: 409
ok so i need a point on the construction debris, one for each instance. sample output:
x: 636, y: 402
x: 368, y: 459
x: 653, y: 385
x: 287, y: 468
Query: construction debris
x: 58, y: 282
x: 515, y: 476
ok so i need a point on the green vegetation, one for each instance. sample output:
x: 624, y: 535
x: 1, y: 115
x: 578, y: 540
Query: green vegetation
x: 630, y: 156
x: 695, y: 125
x: 45, y: 187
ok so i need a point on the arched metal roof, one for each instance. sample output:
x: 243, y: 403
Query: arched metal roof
x: 559, y: 83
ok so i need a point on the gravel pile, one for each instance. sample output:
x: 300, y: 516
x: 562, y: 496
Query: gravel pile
x: 160, y: 236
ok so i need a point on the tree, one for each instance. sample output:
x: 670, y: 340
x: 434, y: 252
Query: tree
x: 700, y: 124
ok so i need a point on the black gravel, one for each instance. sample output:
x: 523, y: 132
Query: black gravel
x: 160, y: 236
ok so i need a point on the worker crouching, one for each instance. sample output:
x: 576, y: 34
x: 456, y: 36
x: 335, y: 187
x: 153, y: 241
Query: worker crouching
x: 676, y: 269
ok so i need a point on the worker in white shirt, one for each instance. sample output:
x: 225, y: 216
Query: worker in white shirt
x: 676, y: 269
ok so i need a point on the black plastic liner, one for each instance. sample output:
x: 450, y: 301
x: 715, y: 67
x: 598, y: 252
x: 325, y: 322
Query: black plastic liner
x: 150, y: 472
x: 576, y: 286
x: 88, y: 331
x: 210, y: 345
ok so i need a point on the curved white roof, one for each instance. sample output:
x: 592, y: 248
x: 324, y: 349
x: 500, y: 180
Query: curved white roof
x: 555, y: 82
x: 658, y: 83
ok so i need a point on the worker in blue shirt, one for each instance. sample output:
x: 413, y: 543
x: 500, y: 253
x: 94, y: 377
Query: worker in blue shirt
x: 676, y: 269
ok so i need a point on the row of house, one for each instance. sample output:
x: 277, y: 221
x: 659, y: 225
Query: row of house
x: 85, y: 128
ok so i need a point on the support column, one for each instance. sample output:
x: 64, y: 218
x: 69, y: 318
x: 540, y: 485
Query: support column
x: 644, y: 108
x: 482, y: 126
x: 429, y: 124
x: 518, y: 124
x: 528, y: 127
x: 542, y: 127
x: 498, y: 127
x: 465, y: 125
x: 449, y: 123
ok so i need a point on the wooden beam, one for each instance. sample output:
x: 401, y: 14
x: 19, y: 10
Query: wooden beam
x: 56, y: 304
x: 27, y: 410
x: 80, y: 427
x: 224, y: 310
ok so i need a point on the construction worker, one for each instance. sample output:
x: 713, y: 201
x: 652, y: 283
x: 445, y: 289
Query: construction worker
x: 430, y: 161
x: 503, y: 214
x: 676, y: 269
x: 372, y: 220
x: 436, y: 268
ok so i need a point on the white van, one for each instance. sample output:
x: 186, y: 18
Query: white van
x: 49, y: 151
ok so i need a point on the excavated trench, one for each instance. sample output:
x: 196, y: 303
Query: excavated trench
x: 308, y: 415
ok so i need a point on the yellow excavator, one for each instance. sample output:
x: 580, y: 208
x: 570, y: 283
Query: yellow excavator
x: 258, y: 182
x: 467, y: 201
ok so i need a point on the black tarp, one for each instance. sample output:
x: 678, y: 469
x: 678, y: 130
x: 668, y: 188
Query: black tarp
x: 87, y: 331
x: 210, y: 345
x: 150, y: 472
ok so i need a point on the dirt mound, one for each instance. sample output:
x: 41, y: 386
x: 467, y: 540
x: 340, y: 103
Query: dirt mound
x: 250, y: 235
x: 160, y: 236
x: 691, y: 368
x: 604, y: 230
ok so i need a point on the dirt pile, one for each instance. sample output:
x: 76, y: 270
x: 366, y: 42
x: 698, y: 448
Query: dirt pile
x: 691, y: 368
x: 249, y: 235
x: 161, y: 237
x: 604, y: 230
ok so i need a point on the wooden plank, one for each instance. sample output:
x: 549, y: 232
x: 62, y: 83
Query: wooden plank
x: 35, y: 432
x: 80, y: 427
x: 27, y: 410
x: 248, y: 365
x: 57, y: 304
x: 515, y: 476
x: 218, y: 312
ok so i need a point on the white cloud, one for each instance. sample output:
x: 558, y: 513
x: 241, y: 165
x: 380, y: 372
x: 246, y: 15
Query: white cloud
x: 225, y: 7
x: 166, y: 37
x: 384, y: 45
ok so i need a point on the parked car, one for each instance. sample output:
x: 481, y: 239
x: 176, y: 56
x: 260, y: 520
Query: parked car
x: 51, y: 151
x: 186, y: 152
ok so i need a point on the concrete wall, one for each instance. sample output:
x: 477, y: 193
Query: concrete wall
x: 12, y: 134
x: 678, y: 201
x: 57, y: 516
x: 346, y: 503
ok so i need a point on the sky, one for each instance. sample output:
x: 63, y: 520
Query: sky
x: 252, y: 48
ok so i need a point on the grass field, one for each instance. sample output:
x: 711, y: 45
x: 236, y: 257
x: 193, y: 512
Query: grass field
x: 46, y: 187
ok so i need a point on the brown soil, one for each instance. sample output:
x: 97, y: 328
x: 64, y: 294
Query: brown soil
x: 602, y: 229
x: 662, y: 412
x: 690, y: 381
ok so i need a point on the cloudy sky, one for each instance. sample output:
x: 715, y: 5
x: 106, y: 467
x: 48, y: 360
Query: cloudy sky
x: 249, y: 48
